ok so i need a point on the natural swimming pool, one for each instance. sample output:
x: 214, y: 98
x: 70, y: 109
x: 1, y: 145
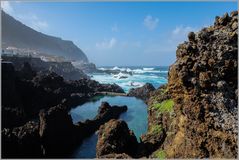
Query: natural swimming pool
x: 136, y: 117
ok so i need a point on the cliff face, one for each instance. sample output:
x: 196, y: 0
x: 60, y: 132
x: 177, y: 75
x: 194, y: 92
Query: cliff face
x: 203, y: 86
x: 16, y: 34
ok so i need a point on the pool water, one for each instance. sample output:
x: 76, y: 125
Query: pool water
x: 136, y: 117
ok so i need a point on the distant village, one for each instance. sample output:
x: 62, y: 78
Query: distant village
x: 23, y: 52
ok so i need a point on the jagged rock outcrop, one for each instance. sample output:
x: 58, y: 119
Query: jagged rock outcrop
x: 57, y: 132
x: 55, y: 135
x: 203, y: 86
x: 21, y: 141
x: 116, y: 140
x: 105, y: 113
x: 142, y: 92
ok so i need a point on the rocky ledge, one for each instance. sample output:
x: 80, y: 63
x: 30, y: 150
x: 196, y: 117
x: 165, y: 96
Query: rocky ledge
x: 116, y: 140
x: 142, y: 92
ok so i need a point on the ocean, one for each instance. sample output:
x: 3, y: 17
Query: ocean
x: 156, y: 75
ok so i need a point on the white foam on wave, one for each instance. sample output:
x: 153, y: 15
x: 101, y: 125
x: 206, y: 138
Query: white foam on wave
x: 115, y: 68
x: 134, y: 84
x: 121, y: 75
x: 148, y: 69
x: 135, y: 71
x: 102, y: 69
x: 142, y: 71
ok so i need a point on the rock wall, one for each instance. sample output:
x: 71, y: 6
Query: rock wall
x: 203, y: 84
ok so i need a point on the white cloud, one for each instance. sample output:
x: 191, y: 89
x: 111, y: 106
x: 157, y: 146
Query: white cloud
x: 6, y: 6
x: 106, y: 44
x: 115, y: 28
x: 150, y: 22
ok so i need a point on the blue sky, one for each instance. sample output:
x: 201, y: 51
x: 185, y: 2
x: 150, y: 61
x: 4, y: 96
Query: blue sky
x: 121, y: 33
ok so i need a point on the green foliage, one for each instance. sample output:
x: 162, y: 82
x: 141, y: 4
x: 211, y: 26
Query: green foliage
x: 155, y: 129
x: 165, y: 106
x: 160, y: 154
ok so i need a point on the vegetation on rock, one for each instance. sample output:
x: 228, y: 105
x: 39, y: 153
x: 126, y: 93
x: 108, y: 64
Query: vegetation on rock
x: 159, y: 154
x: 165, y: 106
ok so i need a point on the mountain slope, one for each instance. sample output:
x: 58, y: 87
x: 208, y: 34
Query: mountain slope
x: 16, y: 34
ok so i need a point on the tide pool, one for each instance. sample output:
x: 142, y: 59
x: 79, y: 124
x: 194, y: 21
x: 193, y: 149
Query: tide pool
x: 136, y: 117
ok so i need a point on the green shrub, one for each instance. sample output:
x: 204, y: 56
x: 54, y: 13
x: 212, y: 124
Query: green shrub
x: 165, y: 106
x: 160, y: 154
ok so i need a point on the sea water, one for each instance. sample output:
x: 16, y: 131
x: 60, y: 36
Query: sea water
x: 156, y: 75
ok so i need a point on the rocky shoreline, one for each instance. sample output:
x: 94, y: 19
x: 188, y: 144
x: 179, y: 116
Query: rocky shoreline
x: 193, y: 116
x: 35, y: 110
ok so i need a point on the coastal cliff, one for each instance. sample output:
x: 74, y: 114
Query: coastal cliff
x: 202, y: 88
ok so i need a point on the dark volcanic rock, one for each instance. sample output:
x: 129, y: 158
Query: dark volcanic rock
x: 142, y: 92
x: 26, y: 71
x: 116, y: 139
x: 12, y: 117
x: 21, y: 142
x: 10, y: 97
x: 57, y: 132
x: 105, y: 113
x: 110, y: 88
